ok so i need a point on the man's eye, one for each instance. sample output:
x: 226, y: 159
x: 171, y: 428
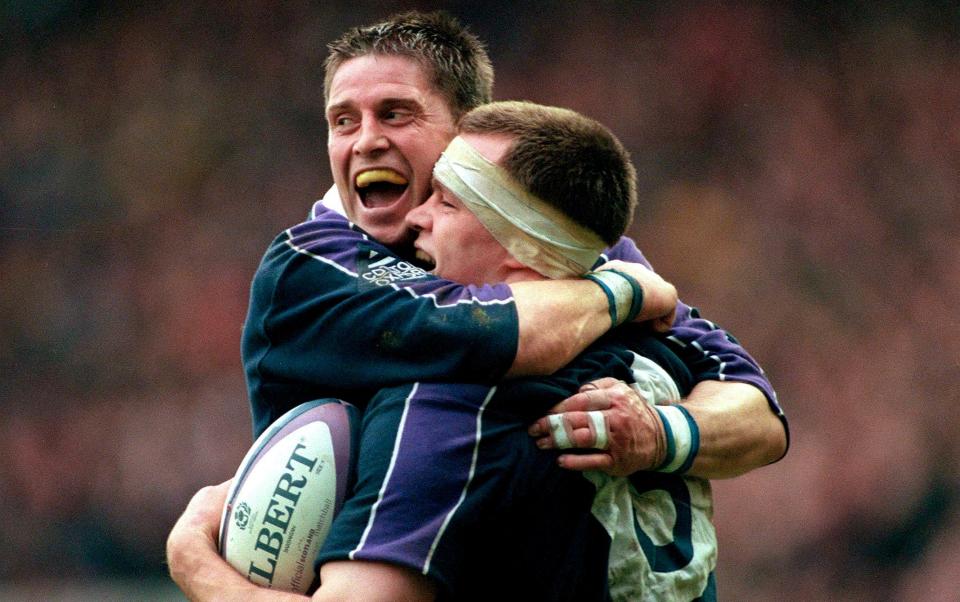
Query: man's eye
x: 397, y: 115
x: 342, y: 123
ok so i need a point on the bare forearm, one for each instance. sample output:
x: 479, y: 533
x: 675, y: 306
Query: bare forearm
x: 738, y: 430
x: 207, y: 578
x: 558, y: 320
x: 361, y: 581
x: 194, y: 563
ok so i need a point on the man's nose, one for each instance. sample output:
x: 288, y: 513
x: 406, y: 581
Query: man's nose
x: 418, y: 218
x: 372, y: 138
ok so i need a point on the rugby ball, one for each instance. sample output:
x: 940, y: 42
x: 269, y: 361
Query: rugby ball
x: 286, y: 492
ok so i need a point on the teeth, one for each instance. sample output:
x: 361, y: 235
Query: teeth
x: 380, y: 175
x: 422, y: 256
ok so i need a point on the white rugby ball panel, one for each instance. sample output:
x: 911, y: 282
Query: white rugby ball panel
x: 285, y: 494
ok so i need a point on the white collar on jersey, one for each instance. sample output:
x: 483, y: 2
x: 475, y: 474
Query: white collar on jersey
x: 331, y: 200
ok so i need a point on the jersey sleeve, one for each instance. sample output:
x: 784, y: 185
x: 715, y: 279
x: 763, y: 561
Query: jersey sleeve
x: 710, y: 352
x: 335, y: 314
x: 411, y: 476
x: 452, y: 488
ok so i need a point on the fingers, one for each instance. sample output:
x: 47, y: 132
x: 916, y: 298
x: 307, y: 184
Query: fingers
x: 198, y: 527
x: 204, y: 510
x: 558, y: 431
x: 593, y: 395
x: 585, y: 401
x: 585, y: 461
x: 663, y: 323
x: 597, y: 395
x: 599, y: 426
x: 572, y: 430
x: 607, y: 382
x: 210, y: 498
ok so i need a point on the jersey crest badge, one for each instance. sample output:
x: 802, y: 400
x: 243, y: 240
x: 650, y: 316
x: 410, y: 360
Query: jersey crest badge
x: 377, y: 269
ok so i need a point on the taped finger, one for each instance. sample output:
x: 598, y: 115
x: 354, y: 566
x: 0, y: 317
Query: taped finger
x: 559, y: 431
x: 599, y: 422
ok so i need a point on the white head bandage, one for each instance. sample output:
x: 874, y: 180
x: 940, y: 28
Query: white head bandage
x: 537, y: 234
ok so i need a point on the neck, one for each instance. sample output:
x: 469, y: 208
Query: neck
x: 523, y: 274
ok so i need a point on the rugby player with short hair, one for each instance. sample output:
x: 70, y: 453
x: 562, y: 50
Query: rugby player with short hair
x: 394, y: 91
x: 450, y: 489
x: 329, y: 299
x: 449, y: 486
x: 391, y: 109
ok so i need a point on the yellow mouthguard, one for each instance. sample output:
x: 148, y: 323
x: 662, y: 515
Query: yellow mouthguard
x: 380, y: 175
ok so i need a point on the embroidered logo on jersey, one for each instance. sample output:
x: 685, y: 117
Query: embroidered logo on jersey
x: 377, y: 269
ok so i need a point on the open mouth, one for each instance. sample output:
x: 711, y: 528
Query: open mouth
x: 380, y: 187
x: 425, y: 260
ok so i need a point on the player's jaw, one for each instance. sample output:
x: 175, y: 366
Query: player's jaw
x: 379, y: 198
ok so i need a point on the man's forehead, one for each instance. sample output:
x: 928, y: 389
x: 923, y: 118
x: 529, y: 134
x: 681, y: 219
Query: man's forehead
x: 377, y: 78
x: 438, y: 185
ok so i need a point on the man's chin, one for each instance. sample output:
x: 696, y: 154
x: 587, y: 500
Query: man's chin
x: 398, y: 238
x: 386, y: 225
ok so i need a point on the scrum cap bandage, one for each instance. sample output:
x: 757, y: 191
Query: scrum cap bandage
x: 537, y: 234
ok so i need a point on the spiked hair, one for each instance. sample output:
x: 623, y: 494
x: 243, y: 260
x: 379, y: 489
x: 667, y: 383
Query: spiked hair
x: 454, y: 59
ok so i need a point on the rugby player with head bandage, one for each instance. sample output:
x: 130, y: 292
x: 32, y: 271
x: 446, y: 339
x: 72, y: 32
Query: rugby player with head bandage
x: 334, y: 312
x: 460, y: 494
x: 454, y: 501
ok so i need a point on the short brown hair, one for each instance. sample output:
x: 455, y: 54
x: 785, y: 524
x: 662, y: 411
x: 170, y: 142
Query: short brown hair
x: 566, y: 159
x: 454, y: 58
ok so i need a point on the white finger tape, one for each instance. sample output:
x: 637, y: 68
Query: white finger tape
x: 559, y: 432
x: 599, y: 428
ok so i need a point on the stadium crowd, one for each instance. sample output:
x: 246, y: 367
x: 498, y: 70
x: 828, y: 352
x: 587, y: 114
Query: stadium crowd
x: 800, y: 182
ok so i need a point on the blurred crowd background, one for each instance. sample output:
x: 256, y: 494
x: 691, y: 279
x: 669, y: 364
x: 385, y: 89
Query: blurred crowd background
x: 799, y: 166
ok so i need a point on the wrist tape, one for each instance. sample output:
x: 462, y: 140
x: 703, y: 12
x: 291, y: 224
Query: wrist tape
x: 624, y: 294
x: 683, y: 438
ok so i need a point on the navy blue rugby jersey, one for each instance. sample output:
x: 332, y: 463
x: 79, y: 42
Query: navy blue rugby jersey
x: 333, y: 313
x: 711, y: 352
x: 450, y: 485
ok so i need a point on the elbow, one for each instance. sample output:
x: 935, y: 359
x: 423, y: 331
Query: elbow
x: 771, y: 440
x: 778, y: 440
